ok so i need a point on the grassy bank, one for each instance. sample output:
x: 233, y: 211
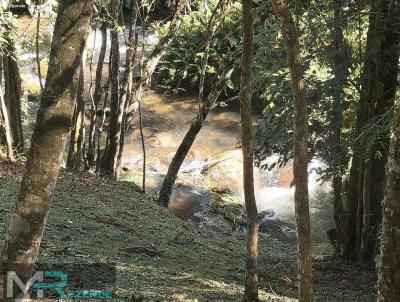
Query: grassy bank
x: 160, y: 257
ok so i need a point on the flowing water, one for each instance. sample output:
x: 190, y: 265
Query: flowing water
x: 166, y: 119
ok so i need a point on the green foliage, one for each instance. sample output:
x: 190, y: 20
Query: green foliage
x: 274, y: 132
x: 182, y: 64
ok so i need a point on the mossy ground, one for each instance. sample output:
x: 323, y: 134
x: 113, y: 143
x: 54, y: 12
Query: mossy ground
x: 160, y: 257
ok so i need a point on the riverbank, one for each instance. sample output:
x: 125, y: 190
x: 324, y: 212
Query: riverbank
x: 160, y: 257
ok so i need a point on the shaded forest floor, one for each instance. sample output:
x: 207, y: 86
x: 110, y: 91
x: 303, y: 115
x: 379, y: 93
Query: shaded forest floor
x: 160, y: 257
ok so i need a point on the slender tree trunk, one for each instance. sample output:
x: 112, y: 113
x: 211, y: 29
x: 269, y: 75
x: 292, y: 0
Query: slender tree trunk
x: 360, y: 209
x: 340, y: 66
x: 113, y: 152
x: 300, y: 151
x: 75, y: 159
x: 251, y: 281
x: 49, y: 138
x: 211, y: 28
x: 389, y: 260
x: 187, y: 142
x: 39, y: 68
x: 97, y: 95
x: 6, y: 125
x: 113, y: 137
x: 101, y: 126
x: 12, y: 96
x: 366, y: 208
x: 127, y: 79
x: 143, y: 149
x: 119, y: 103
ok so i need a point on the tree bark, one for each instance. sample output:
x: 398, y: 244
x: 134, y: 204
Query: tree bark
x: 110, y: 156
x: 340, y: 67
x: 187, y: 142
x: 379, y: 82
x: 12, y: 96
x: 126, y: 88
x: 49, y: 138
x: 4, y: 123
x: 389, y: 260
x: 98, y: 93
x: 251, y: 281
x: 113, y: 153
x: 211, y: 28
x: 76, y: 153
x: 300, y: 147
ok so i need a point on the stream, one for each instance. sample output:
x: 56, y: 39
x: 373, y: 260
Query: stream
x: 214, y: 162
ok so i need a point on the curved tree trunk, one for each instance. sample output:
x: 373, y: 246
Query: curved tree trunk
x: 49, y: 137
x: 300, y: 146
x: 187, y: 142
x: 251, y: 281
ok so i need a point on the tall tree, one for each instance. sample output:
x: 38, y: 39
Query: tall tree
x: 251, y: 282
x: 300, y: 148
x: 340, y: 67
x: 114, y: 128
x: 367, y: 173
x: 27, y: 224
x: 389, y: 260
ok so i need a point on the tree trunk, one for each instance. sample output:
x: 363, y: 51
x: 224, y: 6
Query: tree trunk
x: 366, y: 208
x: 379, y: 82
x: 12, y: 96
x: 389, y: 260
x: 49, y: 138
x: 300, y: 147
x: 75, y: 159
x: 120, y: 99
x: 187, y: 142
x: 111, y: 151
x: 211, y: 28
x: 340, y: 67
x: 126, y: 88
x: 4, y: 123
x: 251, y: 281
x: 98, y: 93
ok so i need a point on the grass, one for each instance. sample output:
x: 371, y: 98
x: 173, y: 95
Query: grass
x: 160, y: 257
x: 96, y: 220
